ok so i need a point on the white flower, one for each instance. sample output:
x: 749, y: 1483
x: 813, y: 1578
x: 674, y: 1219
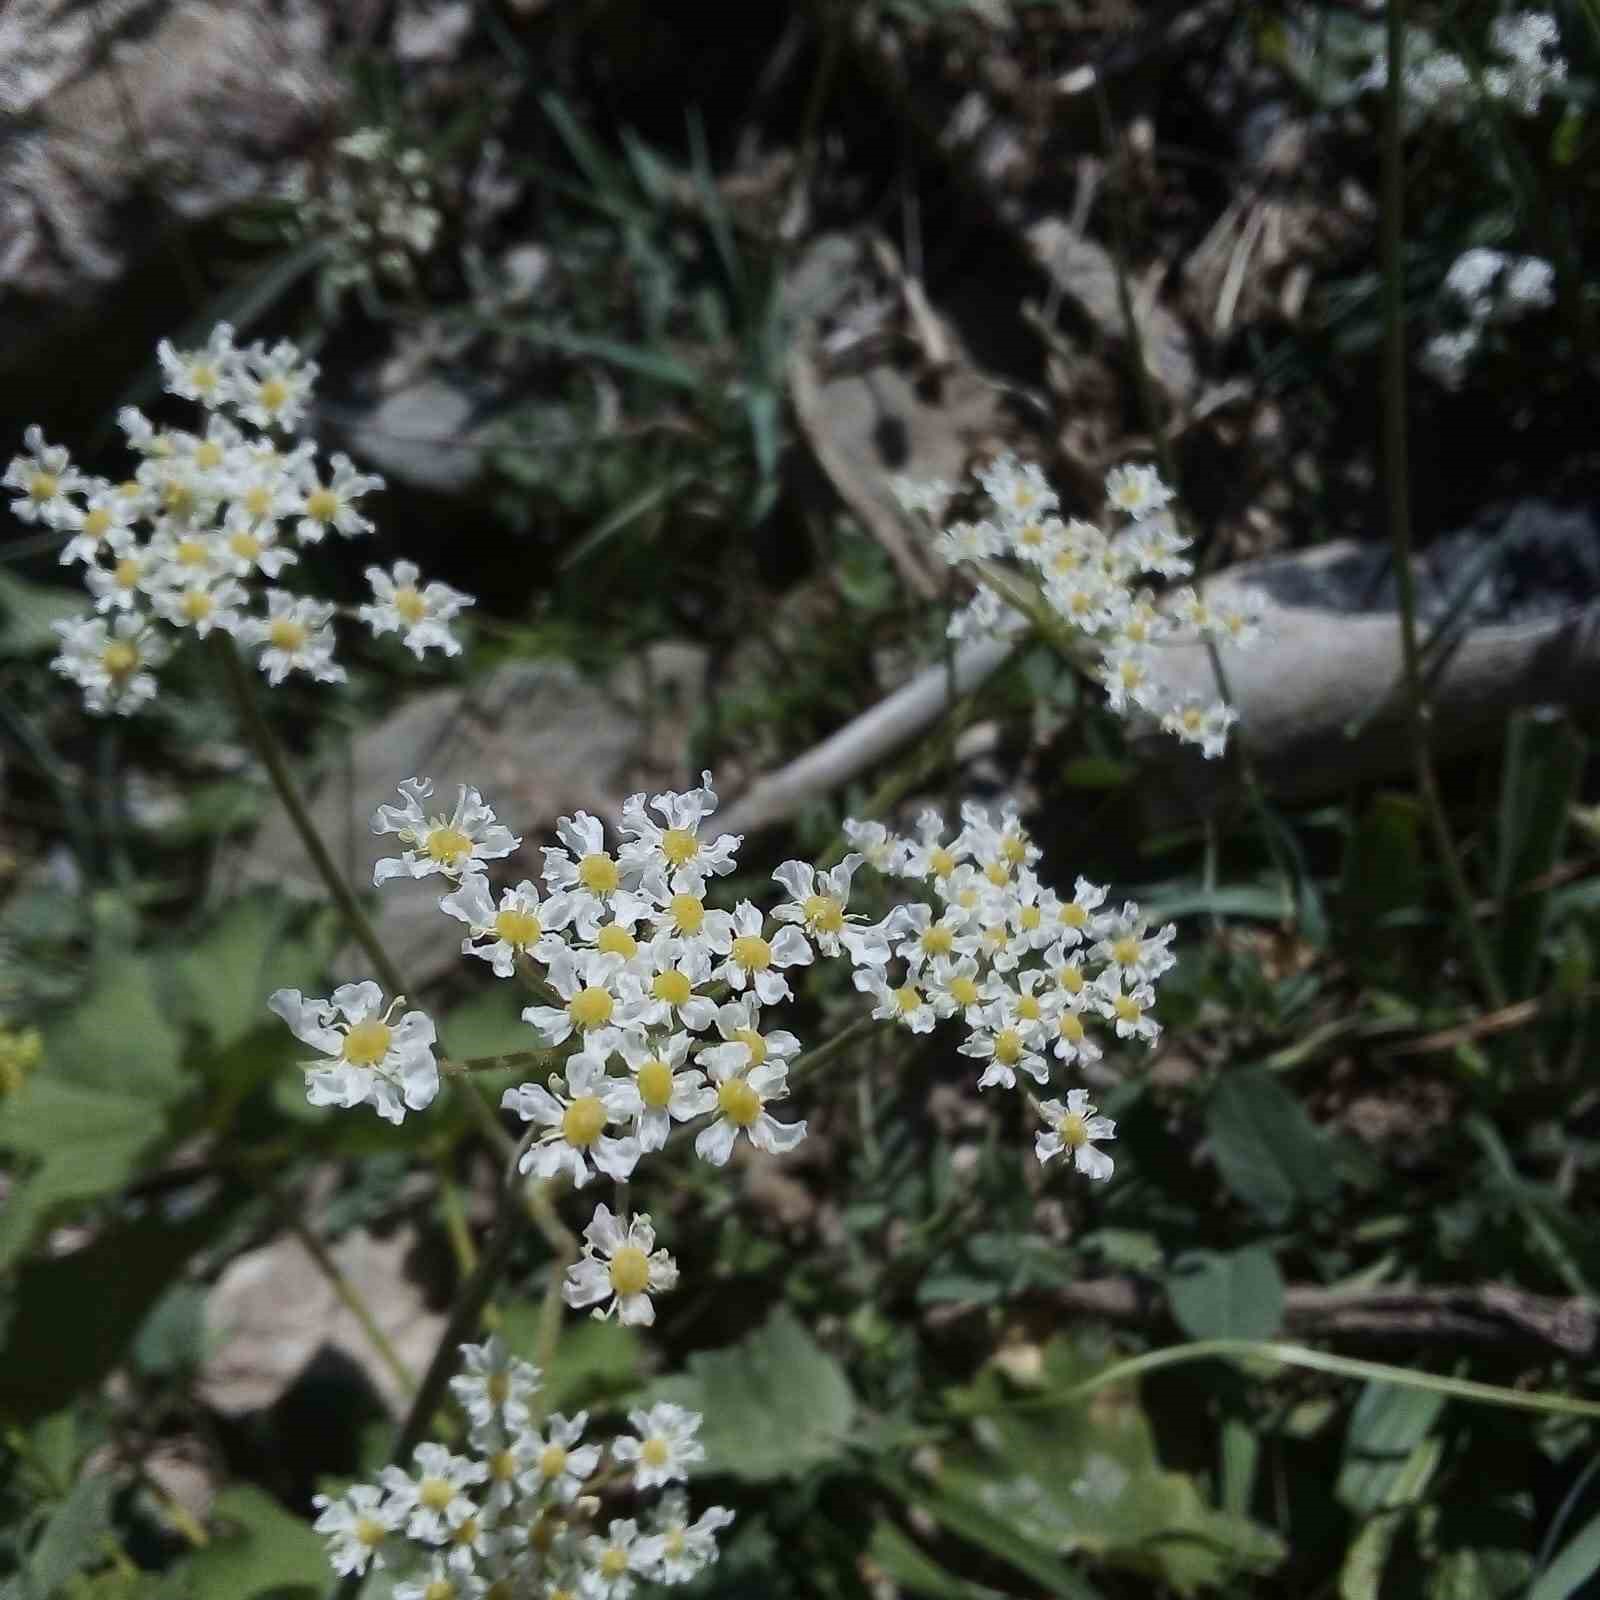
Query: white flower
x: 881, y: 849
x: 664, y: 983
x: 357, y: 1526
x: 1529, y: 286
x: 1019, y: 491
x: 1072, y: 1039
x: 756, y: 961
x: 1076, y: 915
x: 926, y: 496
x: 981, y: 618
x: 574, y: 1123
x: 132, y: 576
x: 677, y: 905
x: 1125, y: 1010
x: 817, y: 902
x: 273, y: 387
x: 1471, y: 278
x: 1446, y: 356
x: 590, y: 982
x: 110, y: 663
x: 46, y: 478
x: 1005, y: 1047
x: 248, y: 544
x: 584, y: 863
x: 108, y: 511
x: 332, y: 504
x: 451, y: 845
x: 613, y: 1561
x: 207, y: 375
x: 969, y: 541
x: 678, y: 1549
x: 496, y: 1387
x: 1074, y: 1127
x: 1136, y: 491
x: 676, y: 847
x: 559, y: 1465
x: 444, y: 1578
x: 904, y: 1003
x: 517, y: 925
x: 620, y: 1266
x: 667, y: 1091
x: 420, y: 615
x: 953, y: 988
x: 665, y: 1446
x: 925, y: 939
x: 743, y: 1092
x: 294, y: 636
x: 376, y: 1061
x: 436, y: 1498
x: 1125, y: 942
x: 1196, y: 721
x: 1126, y: 674
x: 1088, y: 599
x: 201, y: 604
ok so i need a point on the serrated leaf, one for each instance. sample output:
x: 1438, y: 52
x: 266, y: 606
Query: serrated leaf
x: 775, y: 1405
x: 1266, y: 1148
x: 1237, y: 1295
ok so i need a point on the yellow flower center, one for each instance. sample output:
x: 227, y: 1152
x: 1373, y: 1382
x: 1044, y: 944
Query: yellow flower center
x: 1126, y: 1008
x: 1070, y: 1026
x: 127, y: 572
x: 439, y: 1589
x: 591, y: 1007
x: 824, y: 913
x: 197, y: 605
x: 671, y: 986
x: 1028, y: 1008
x: 678, y: 845
x: 613, y: 1562
x: 968, y: 898
x: 1073, y: 1131
x: 519, y: 929
x: 938, y: 940
x: 410, y: 604
x: 370, y: 1532
x: 466, y: 1532
x: 284, y: 633
x: 1014, y: 847
x: 435, y: 1493
x: 1008, y: 1047
x: 177, y: 497
x: 752, y: 952
x: 964, y: 991
x: 1136, y: 631
x: 598, y: 873
x: 96, y: 522
x: 1131, y: 673
x: 1031, y: 535
x: 43, y: 486
x: 208, y: 453
x: 498, y: 1387
x: 1125, y: 951
x: 542, y: 1535
x: 500, y: 1589
x: 997, y: 873
x: 583, y: 1121
x: 130, y: 488
x: 908, y: 999
x: 655, y: 1084
x: 367, y: 1043
x: 322, y: 505
x: 630, y: 1270
x: 654, y: 1452
x: 119, y: 658
x: 258, y: 500
x: 942, y: 861
x: 552, y: 1461
x: 738, y: 1102
x: 1071, y: 979
x: 245, y: 545
x: 615, y: 940
x: 502, y: 1466
x: 203, y: 376
x: 753, y: 1041
x: 1028, y: 918
x: 688, y: 912
x: 1074, y: 916
x: 672, y: 1542
x: 447, y: 845
x: 272, y: 396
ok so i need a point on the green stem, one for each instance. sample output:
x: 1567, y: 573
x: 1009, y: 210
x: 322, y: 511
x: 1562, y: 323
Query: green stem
x: 1397, y: 492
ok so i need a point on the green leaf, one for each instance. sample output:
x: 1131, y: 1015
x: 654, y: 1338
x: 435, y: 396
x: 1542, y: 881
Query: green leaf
x: 775, y: 1405
x: 1382, y: 875
x: 595, y: 1360
x: 72, y: 1537
x: 258, y: 1547
x: 1362, y: 1569
x: 1234, y: 1296
x: 1386, y: 1426
x: 914, y: 1571
x: 1267, y: 1150
x: 123, y: 1037
x: 1578, y: 1561
x: 27, y: 611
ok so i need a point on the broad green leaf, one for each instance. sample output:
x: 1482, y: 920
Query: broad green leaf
x: 1266, y: 1148
x: 1238, y: 1295
x: 776, y: 1405
x: 1362, y: 1570
x: 72, y: 1537
x: 1578, y: 1561
x: 257, y: 1547
x: 122, y: 1038
x: 1386, y: 1426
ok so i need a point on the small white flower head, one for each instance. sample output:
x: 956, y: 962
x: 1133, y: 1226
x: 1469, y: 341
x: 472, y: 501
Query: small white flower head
x: 452, y: 845
x: 1447, y: 356
x: 1153, y: 545
x: 880, y: 849
x: 133, y: 576
x: 925, y: 497
x: 757, y: 962
x: 208, y: 375
x: 332, y: 505
x: 584, y: 864
x: 1529, y: 286
x: 1072, y: 1041
x: 666, y: 982
x: 444, y: 1578
x: 902, y: 1002
x: 518, y: 924
x: 110, y: 662
x: 983, y: 617
x: 1201, y: 722
x: 1019, y: 491
x: 1529, y: 43
x: 744, y: 1089
x: 263, y: 493
x: 744, y: 1044
x: 296, y: 635
x: 620, y: 1267
x: 247, y: 545
x: 932, y: 854
x: 201, y: 605
x: 46, y: 478
x: 420, y: 614
x: 1136, y: 491
x: 665, y: 1446
x: 1128, y: 677
x: 674, y: 844
x: 1124, y: 941
x: 677, y: 906
x: 273, y: 387
x: 668, y: 1089
x: 924, y: 938
x: 573, y: 1115
x: 357, y: 1526
x: 678, y: 1549
x: 613, y: 1561
x: 1088, y: 599
x: 435, y: 1499
x: 1074, y: 1130
x: 1125, y: 1009
x: 496, y: 1388
x: 1006, y: 1048
x: 590, y: 983
x: 559, y: 1463
x: 969, y: 541
x: 107, y: 512
x: 954, y: 988
x: 817, y: 902
x: 1471, y: 280
x: 376, y: 1061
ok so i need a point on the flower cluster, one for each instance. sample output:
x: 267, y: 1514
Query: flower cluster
x: 176, y: 549
x: 1089, y: 579
x: 372, y: 212
x: 1526, y: 65
x: 1486, y: 289
x: 522, y: 1514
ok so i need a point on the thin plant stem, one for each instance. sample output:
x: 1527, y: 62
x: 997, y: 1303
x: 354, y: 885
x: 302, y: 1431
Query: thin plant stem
x: 1397, y: 494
